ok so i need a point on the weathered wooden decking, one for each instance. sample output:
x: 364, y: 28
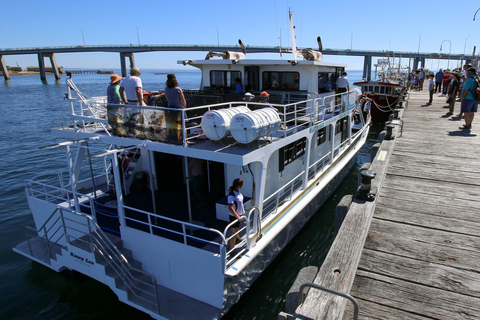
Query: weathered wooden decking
x: 421, y: 258
x: 421, y: 235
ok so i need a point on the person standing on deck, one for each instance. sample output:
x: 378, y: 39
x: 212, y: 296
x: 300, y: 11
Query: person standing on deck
x: 236, y: 209
x: 469, y: 104
x: 113, y: 90
x: 343, y: 84
x: 131, y: 88
x: 452, y: 94
x: 438, y: 81
x: 431, y: 87
x: 421, y: 78
x: 446, y: 82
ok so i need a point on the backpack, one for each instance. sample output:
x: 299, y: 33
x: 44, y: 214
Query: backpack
x: 475, y: 92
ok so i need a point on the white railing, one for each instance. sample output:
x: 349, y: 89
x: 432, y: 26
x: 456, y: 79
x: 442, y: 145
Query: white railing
x: 285, y: 193
x: 318, y: 166
x: 183, y: 232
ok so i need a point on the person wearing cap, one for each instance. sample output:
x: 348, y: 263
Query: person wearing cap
x: 131, y: 88
x: 248, y: 97
x: 264, y: 96
x: 113, y: 90
x: 469, y: 104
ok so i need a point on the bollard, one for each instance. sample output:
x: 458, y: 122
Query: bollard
x: 389, y: 135
x: 396, y: 113
x: 390, y: 118
x: 341, y: 210
x: 400, y: 104
x: 366, y: 191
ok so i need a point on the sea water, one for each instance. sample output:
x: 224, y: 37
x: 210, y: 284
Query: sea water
x: 28, y: 290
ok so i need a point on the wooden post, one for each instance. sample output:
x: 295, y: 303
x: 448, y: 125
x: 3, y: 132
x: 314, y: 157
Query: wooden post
x: 341, y: 211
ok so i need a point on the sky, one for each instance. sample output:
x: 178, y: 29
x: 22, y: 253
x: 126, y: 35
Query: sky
x: 372, y: 25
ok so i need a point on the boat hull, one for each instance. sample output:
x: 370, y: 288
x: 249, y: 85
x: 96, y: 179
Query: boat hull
x: 235, y: 287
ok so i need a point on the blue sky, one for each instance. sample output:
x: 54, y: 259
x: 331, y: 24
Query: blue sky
x: 372, y: 25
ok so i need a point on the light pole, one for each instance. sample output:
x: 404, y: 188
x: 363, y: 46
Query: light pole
x: 82, y: 36
x: 218, y: 38
x: 449, y: 51
x: 138, y: 35
x: 464, y: 47
x: 419, y: 39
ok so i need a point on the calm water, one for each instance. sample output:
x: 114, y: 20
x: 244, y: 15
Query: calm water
x: 29, y: 108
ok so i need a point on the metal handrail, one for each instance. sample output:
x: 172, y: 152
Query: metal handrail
x: 185, y: 225
x: 289, y: 185
x: 124, y: 268
x: 258, y: 229
x: 332, y: 291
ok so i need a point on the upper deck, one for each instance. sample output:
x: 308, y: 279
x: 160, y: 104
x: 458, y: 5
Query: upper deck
x: 127, y: 125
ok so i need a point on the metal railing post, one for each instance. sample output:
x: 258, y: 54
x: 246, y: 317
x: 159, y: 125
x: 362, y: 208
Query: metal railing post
x: 332, y: 291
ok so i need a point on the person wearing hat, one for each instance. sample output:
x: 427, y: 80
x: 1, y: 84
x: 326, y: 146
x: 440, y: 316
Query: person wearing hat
x: 176, y: 100
x: 131, y: 88
x: 469, y: 103
x: 113, y: 90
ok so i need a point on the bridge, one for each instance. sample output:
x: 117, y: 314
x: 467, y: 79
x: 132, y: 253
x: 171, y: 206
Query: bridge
x: 127, y: 51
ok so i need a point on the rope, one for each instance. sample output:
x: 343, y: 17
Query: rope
x: 381, y: 108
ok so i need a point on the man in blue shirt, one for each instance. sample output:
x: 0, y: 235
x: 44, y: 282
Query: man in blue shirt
x: 438, y: 80
x: 469, y: 104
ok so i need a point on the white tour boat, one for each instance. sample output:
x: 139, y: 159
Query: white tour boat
x: 123, y: 211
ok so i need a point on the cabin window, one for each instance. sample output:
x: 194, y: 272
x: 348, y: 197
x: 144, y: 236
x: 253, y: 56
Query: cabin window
x: 382, y: 89
x: 291, y: 152
x: 286, y: 81
x: 370, y: 89
x: 375, y: 89
x: 321, y: 136
x: 326, y: 81
x: 224, y: 79
x: 338, y: 128
x: 344, y: 126
x: 388, y: 90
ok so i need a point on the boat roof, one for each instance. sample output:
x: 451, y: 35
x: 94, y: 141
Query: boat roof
x: 260, y: 62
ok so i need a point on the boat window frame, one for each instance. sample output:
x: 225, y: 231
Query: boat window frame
x: 291, y: 152
x: 322, y: 136
x: 283, y: 84
x: 226, y: 78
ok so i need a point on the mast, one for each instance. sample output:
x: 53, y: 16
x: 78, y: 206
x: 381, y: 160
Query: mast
x: 292, y: 34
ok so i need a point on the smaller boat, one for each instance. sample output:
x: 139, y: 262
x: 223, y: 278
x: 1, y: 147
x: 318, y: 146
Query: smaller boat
x: 385, y: 90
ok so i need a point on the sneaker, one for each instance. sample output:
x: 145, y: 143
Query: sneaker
x: 448, y: 113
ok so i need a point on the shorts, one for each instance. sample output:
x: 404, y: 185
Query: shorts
x: 469, y: 105
x: 235, y: 225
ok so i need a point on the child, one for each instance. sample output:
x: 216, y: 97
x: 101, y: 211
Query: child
x: 431, y: 87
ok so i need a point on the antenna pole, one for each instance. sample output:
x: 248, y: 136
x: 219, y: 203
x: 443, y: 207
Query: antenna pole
x: 292, y: 34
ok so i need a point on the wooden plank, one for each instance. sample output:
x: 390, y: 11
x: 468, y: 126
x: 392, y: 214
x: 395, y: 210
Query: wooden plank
x: 420, y: 272
x: 434, y: 246
x: 440, y: 199
x: 427, y: 217
x: 374, y: 311
x: 414, y: 298
x: 449, y: 189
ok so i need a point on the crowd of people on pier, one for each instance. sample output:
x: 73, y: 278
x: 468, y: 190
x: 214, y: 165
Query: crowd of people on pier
x: 458, y: 85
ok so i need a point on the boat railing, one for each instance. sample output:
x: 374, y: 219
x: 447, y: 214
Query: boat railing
x: 176, y: 230
x: 59, y: 196
x: 340, y: 147
x: 253, y: 226
x: 282, y: 195
x: 318, y: 166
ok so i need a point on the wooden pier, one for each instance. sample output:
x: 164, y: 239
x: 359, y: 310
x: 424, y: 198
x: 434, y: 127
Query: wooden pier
x: 414, y: 252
